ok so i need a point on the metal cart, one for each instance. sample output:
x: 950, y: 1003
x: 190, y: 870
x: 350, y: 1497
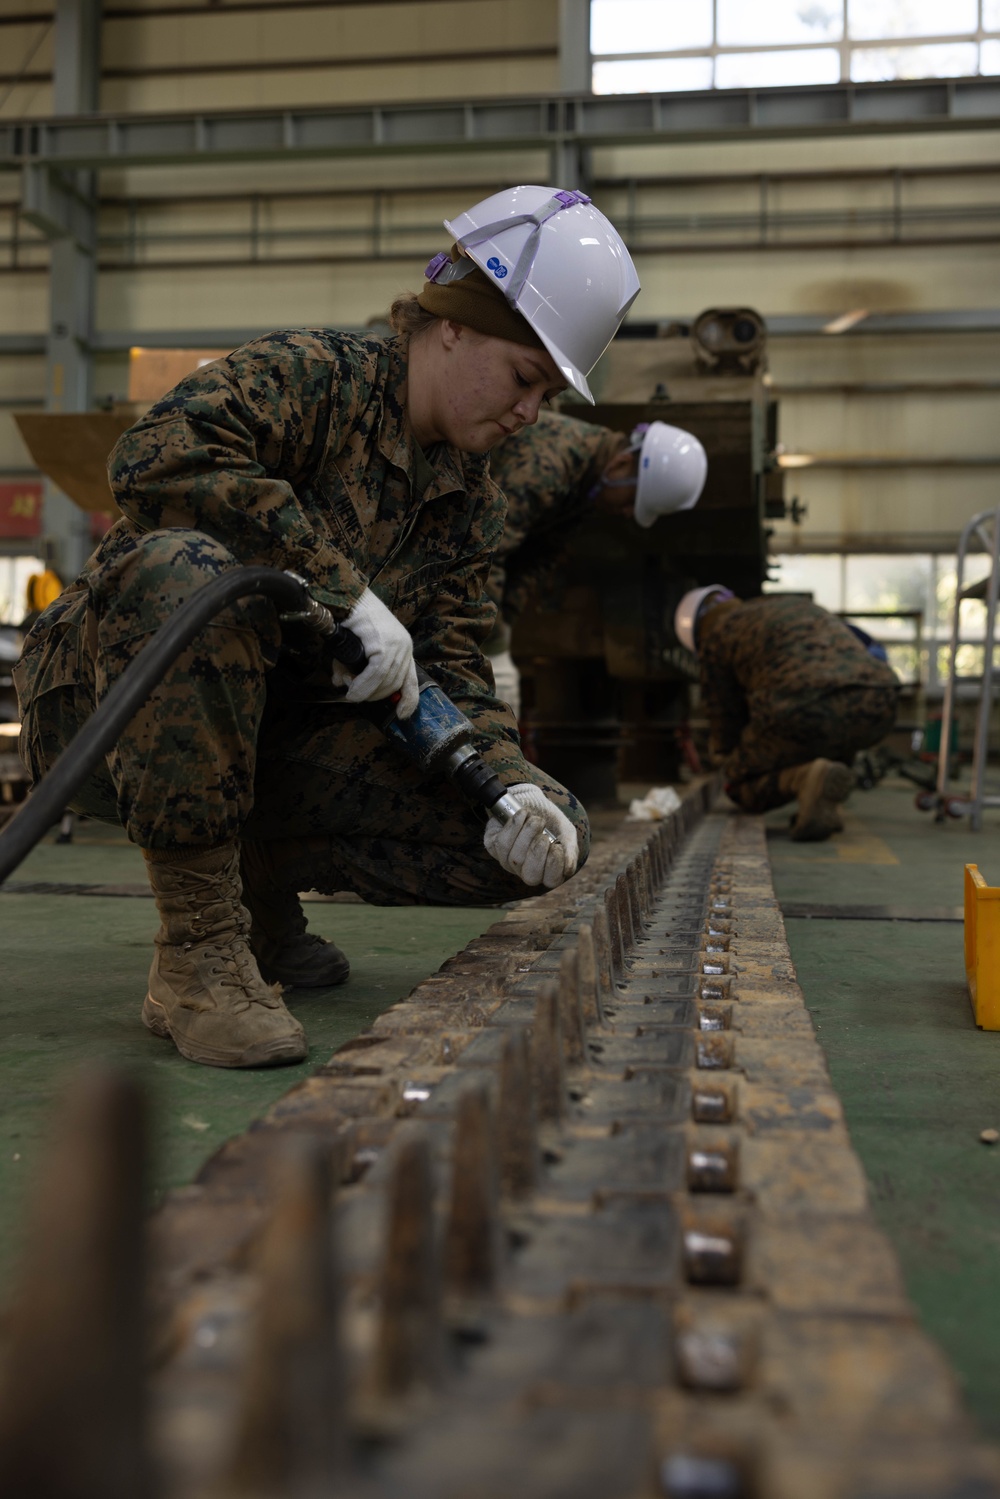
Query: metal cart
x: 982, y: 533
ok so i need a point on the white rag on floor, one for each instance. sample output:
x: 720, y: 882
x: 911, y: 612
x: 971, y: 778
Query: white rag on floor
x: 658, y: 803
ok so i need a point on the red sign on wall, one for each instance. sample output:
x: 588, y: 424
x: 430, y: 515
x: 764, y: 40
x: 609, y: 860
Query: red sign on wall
x: 20, y: 509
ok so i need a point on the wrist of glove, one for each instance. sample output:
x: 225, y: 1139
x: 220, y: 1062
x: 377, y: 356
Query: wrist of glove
x: 521, y: 847
x: 389, y: 649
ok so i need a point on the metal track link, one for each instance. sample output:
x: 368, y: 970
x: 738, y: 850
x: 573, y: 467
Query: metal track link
x: 597, y: 1231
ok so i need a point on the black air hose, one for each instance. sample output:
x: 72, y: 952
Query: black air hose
x: 54, y: 792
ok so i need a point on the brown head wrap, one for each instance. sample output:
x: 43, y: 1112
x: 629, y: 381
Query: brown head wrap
x: 478, y: 302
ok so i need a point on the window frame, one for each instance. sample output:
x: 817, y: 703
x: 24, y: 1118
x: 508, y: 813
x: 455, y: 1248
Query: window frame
x: 931, y: 635
x: 846, y: 46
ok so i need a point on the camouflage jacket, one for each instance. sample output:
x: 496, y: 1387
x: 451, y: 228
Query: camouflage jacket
x: 547, y: 472
x: 295, y: 451
x: 769, y: 657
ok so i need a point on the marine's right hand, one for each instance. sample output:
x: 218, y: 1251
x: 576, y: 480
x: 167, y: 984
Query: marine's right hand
x: 389, y: 649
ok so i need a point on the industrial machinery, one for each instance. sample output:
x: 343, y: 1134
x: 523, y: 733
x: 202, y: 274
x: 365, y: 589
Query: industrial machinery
x: 606, y: 685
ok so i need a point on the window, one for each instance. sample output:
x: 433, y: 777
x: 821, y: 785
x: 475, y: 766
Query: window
x: 649, y: 26
x: 904, y: 601
x: 663, y: 46
x: 944, y: 60
x: 869, y: 19
x: 778, y: 22
x: 671, y: 75
x: 772, y: 69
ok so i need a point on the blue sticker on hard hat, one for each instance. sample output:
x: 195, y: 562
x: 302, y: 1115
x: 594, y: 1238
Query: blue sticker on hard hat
x: 497, y: 267
x: 645, y: 463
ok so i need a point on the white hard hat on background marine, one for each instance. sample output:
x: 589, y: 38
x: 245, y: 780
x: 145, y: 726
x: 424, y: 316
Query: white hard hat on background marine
x: 687, y: 612
x: 673, y: 467
x: 558, y: 261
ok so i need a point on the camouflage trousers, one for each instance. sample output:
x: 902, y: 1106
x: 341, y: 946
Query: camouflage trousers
x: 230, y: 745
x: 834, y: 727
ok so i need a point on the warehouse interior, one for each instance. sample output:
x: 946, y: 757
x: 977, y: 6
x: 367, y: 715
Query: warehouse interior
x: 819, y: 1316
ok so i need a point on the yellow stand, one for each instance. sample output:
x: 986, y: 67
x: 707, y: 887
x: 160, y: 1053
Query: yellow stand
x: 982, y: 948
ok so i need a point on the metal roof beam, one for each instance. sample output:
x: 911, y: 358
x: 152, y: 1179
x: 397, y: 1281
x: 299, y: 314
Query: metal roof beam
x: 542, y: 122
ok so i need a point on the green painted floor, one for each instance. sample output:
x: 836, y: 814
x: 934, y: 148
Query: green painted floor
x: 72, y: 980
x: 917, y: 1079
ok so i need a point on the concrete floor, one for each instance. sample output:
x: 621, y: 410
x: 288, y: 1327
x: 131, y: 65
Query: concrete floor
x: 917, y: 1079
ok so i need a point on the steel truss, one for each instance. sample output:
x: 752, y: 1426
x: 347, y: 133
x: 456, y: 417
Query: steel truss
x: 543, y: 122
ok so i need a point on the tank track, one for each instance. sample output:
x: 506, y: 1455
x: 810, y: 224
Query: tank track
x: 579, y: 1217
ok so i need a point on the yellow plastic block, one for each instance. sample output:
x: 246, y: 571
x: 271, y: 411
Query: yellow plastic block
x: 982, y: 948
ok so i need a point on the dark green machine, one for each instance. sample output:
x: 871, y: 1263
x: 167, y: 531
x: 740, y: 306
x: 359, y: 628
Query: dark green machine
x: 606, y: 686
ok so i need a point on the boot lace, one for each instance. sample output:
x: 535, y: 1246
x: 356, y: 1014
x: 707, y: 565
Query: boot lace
x: 233, y: 967
x: 219, y: 929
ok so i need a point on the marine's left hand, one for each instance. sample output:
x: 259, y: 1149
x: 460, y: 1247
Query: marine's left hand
x: 521, y: 845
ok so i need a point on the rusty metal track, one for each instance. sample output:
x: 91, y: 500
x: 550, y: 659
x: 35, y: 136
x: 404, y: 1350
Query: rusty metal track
x: 597, y: 1231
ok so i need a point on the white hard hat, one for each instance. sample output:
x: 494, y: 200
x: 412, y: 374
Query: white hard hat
x: 687, y: 611
x: 559, y: 262
x: 672, y: 470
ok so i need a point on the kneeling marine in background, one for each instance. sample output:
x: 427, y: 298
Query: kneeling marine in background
x: 791, y: 695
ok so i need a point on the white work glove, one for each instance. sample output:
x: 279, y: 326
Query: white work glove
x: 389, y: 650
x: 521, y: 847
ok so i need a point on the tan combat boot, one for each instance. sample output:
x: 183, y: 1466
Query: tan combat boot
x: 818, y: 788
x: 286, y: 952
x: 205, y: 991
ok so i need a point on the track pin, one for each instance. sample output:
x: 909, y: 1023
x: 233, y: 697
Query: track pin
x: 633, y: 884
x: 715, y: 986
x: 712, y: 1104
x: 602, y: 954
x: 72, y: 1410
x: 616, y: 943
x: 648, y: 883
x: 624, y: 904
x: 713, y: 1168
x: 289, y: 1435
x: 655, y: 846
x: 713, y: 1050
x: 547, y: 1054
x: 713, y: 1254
x: 410, y: 1343
x: 516, y: 1121
x: 472, y: 1246
x: 570, y: 1009
x: 590, y: 983
x: 691, y: 1476
x: 714, y: 1350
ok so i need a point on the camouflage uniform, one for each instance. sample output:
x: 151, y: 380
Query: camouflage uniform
x: 293, y: 452
x: 784, y: 682
x: 547, y: 473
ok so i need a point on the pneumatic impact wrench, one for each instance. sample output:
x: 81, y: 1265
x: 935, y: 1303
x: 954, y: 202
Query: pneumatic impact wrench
x: 437, y: 737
